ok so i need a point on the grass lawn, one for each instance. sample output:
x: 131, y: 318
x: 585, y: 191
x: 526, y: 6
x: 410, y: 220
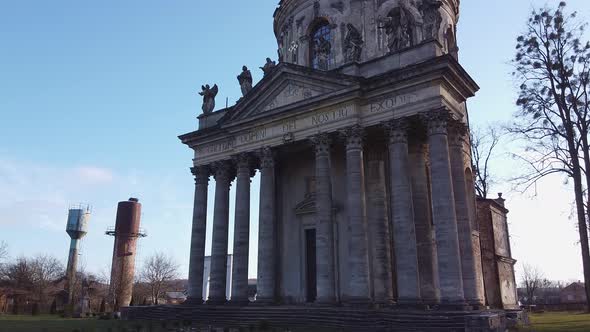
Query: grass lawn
x: 46, y: 323
x: 558, y: 322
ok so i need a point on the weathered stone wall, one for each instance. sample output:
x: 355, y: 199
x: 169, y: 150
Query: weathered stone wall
x: 497, y: 261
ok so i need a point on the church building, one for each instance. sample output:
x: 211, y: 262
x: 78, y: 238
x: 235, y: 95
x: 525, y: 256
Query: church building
x: 360, y: 135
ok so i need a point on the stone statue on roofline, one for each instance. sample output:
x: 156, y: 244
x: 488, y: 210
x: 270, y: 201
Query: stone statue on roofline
x: 209, y: 94
x: 268, y: 66
x: 245, y: 79
x: 353, y: 44
x: 398, y: 26
x: 432, y: 18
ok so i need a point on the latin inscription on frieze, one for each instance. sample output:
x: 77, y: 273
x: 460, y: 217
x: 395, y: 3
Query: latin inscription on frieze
x: 280, y: 129
x: 330, y: 116
x: 390, y: 103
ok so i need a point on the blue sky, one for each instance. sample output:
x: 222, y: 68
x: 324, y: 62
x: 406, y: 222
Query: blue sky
x: 93, y: 95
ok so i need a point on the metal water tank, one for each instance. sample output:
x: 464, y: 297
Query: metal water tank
x: 77, y: 225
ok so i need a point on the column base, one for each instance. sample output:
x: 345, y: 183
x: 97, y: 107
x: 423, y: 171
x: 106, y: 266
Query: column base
x: 357, y: 302
x: 389, y: 303
x: 218, y: 301
x: 193, y: 301
x: 411, y: 304
x: 264, y: 301
x: 239, y: 302
x: 456, y: 306
x: 476, y: 304
x: 326, y: 302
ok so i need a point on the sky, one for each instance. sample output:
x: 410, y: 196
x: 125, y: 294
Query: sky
x: 93, y: 95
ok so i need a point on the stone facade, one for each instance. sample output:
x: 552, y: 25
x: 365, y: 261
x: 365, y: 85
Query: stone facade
x: 360, y: 137
x: 309, y: 132
x: 497, y: 261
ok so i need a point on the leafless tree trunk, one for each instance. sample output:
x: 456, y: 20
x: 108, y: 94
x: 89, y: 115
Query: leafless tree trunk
x: 532, y: 280
x: 3, y: 251
x: 158, y: 270
x: 552, y: 65
x: 483, y: 145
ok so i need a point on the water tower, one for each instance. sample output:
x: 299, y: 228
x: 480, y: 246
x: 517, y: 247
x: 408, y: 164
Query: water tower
x: 76, y: 228
x: 126, y: 233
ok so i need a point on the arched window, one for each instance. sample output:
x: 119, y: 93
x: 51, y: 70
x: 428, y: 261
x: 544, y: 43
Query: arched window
x: 321, y: 46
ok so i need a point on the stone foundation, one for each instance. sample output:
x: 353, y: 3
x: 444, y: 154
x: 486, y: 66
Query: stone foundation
x: 314, y: 318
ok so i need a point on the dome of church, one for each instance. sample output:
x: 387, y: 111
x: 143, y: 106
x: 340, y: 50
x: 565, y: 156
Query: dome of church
x: 328, y: 34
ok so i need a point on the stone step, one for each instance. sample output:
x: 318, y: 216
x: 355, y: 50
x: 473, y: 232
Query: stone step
x: 306, y: 317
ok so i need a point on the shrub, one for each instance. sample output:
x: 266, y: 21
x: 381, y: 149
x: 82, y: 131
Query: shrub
x: 53, y: 308
x: 35, y: 309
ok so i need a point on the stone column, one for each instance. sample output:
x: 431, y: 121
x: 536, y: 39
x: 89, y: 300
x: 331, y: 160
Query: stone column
x: 326, y: 284
x: 428, y: 263
x: 404, y: 232
x: 358, y: 255
x: 443, y: 209
x: 378, y: 221
x: 266, y: 287
x: 469, y: 267
x: 197, y: 254
x: 217, y: 280
x: 239, y: 293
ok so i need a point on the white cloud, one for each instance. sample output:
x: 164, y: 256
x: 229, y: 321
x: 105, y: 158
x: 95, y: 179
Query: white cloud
x: 94, y: 175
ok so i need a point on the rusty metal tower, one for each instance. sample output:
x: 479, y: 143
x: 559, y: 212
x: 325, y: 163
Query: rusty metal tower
x: 126, y: 233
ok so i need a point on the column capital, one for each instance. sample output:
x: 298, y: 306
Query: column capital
x: 437, y: 121
x: 201, y: 174
x: 223, y: 170
x: 267, y: 157
x: 354, y: 136
x: 397, y: 130
x: 322, y: 143
x: 244, y: 162
x: 457, y: 131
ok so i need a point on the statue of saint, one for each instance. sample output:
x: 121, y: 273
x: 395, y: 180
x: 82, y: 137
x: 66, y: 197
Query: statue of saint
x: 268, y: 66
x: 323, y: 49
x: 398, y: 27
x: 209, y: 94
x: 431, y: 17
x: 353, y: 44
x: 245, y: 79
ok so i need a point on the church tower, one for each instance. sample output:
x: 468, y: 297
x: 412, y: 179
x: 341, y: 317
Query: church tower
x: 328, y: 34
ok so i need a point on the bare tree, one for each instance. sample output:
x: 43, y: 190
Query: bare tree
x: 3, y: 251
x: 46, y: 269
x: 158, y: 270
x: 532, y: 280
x: 483, y: 145
x: 33, y: 274
x: 552, y: 67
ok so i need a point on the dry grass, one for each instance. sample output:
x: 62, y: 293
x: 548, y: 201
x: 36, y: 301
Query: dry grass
x: 558, y: 322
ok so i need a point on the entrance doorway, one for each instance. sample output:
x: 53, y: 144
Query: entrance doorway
x: 310, y: 265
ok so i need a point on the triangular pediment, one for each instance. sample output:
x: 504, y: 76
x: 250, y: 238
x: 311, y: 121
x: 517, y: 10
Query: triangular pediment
x: 288, y: 86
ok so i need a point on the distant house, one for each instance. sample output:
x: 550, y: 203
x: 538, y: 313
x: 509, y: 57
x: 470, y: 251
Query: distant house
x: 3, y: 301
x: 175, y: 297
x: 574, y: 293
